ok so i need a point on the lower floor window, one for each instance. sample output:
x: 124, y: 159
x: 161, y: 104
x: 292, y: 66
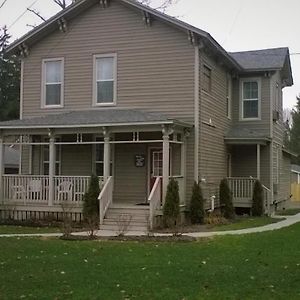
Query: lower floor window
x: 45, y: 156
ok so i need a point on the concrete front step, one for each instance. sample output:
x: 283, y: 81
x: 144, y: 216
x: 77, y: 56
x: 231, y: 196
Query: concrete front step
x: 116, y: 228
x: 120, y: 217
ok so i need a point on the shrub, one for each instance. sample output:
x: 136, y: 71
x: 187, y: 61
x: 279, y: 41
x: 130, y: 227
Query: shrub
x: 215, y: 218
x: 258, y: 199
x: 171, y: 210
x: 197, y: 205
x: 226, y: 200
x: 91, y: 204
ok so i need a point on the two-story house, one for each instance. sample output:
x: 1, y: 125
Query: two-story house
x: 137, y: 97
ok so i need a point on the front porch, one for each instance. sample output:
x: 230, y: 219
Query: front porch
x: 129, y: 159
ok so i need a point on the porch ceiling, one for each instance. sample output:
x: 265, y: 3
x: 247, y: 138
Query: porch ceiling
x: 92, y: 118
x: 240, y: 136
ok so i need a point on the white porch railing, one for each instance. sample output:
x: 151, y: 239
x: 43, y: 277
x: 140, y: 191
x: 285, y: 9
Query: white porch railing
x: 70, y: 189
x: 154, y: 200
x: 105, y: 198
x: 26, y: 189
x: 242, y: 190
x: 267, y: 199
x: 34, y: 189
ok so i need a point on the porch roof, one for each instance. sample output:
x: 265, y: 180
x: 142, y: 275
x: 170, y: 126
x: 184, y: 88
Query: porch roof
x: 93, y: 118
x: 239, y: 135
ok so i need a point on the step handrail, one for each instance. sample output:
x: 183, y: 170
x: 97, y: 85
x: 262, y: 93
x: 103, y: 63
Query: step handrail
x: 105, y: 198
x: 154, y: 200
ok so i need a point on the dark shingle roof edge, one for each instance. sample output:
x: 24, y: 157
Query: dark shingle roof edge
x: 92, y: 118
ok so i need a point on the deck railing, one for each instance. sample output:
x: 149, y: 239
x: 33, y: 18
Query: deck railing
x: 242, y: 190
x: 105, y: 198
x: 34, y: 189
x: 25, y: 189
x: 154, y: 200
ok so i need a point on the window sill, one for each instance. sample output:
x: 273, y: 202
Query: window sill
x: 51, y: 106
x: 104, y: 104
x: 249, y: 119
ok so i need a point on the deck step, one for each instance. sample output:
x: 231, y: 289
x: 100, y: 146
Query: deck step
x: 126, y: 218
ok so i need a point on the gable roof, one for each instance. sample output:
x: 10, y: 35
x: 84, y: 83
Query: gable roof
x: 239, y: 61
x: 266, y: 60
x: 77, y: 7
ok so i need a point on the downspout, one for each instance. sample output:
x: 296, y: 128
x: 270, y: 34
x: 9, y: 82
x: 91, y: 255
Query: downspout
x: 196, y: 113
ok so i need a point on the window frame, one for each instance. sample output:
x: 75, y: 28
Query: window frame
x: 115, y: 67
x: 242, y: 81
x: 229, y: 89
x: 62, y: 83
x: 207, y: 67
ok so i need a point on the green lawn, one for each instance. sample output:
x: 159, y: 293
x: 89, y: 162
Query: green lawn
x: 257, y: 266
x: 246, y: 223
x: 10, y: 229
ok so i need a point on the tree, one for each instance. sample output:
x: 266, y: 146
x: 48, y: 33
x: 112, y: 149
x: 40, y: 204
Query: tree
x: 258, y: 199
x: 295, y: 131
x: 226, y: 199
x: 91, y: 205
x: 197, y: 205
x: 171, y: 210
x: 9, y: 80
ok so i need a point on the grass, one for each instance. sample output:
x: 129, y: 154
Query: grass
x: 10, y: 229
x: 243, y: 223
x: 288, y: 212
x: 257, y: 266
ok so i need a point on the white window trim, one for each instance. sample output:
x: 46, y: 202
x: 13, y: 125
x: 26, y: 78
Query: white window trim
x: 229, y: 96
x: 57, y: 160
x: 250, y: 79
x: 109, y: 55
x: 43, y: 89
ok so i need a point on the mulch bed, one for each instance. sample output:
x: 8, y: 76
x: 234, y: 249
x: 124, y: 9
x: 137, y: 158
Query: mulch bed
x: 145, y: 238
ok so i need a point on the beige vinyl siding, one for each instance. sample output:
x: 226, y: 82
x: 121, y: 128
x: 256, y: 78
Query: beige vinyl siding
x: 25, y: 153
x: 36, y: 160
x: 155, y: 71
x: 262, y: 126
x: 154, y: 64
x: 213, y: 126
x: 130, y: 182
x: 285, y: 178
x: 244, y: 160
x: 76, y: 160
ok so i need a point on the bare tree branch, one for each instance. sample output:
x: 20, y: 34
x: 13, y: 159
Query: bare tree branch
x: 37, y: 14
x: 61, y: 3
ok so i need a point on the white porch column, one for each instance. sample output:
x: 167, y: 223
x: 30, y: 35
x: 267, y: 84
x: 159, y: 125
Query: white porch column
x: 106, y: 157
x: 1, y: 168
x: 166, y: 163
x: 258, y: 161
x: 52, y: 163
x: 183, y: 163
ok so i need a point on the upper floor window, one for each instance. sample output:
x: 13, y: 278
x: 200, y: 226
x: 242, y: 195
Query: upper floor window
x: 52, y: 82
x: 105, y: 85
x: 250, y: 99
x: 228, y: 96
x: 206, y: 84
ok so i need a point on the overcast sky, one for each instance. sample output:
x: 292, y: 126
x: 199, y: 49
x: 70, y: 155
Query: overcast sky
x: 239, y: 25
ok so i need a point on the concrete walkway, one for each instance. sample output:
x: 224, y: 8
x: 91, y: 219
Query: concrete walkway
x: 289, y: 220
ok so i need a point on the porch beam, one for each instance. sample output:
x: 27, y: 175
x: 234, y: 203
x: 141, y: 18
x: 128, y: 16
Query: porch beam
x: 106, y: 158
x: 1, y: 168
x: 52, y: 162
x: 258, y: 161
